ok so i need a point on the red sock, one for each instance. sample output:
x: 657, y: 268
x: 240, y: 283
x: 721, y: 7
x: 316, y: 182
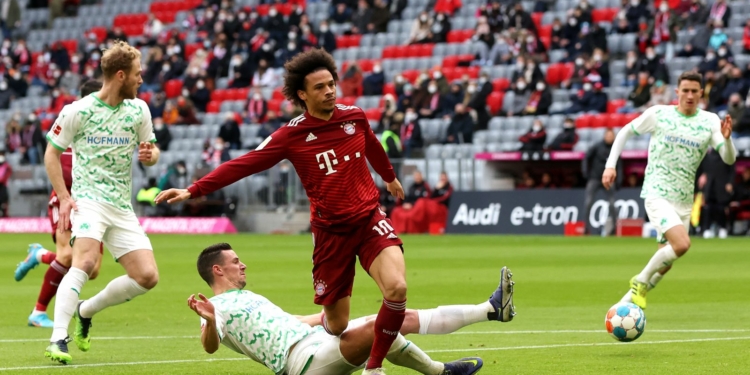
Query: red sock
x: 387, y: 324
x: 49, y: 257
x: 52, y: 278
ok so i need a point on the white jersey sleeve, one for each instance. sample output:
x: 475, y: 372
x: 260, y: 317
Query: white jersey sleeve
x: 64, y: 130
x: 146, y: 129
x: 646, y: 122
x: 723, y: 146
x: 221, y: 326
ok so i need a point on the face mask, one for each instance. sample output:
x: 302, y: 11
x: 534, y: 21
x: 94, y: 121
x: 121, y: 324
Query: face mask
x: 540, y: 86
x: 536, y: 127
x: 56, y: 74
x: 194, y: 70
x: 32, y: 117
x: 3, y: 86
x: 292, y: 35
x: 185, y: 92
x: 253, y: 16
x: 242, y: 16
x: 47, y: 57
x: 266, y: 47
x: 440, y: 17
x: 399, y: 79
x: 257, y: 96
x: 663, y: 7
x: 409, y: 117
x: 90, y: 73
x: 520, y: 64
x: 165, y: 68
x: 423, y: 77
x: 521, y: 85
x: 17, y: 75
x: 291, y: 46
x: 597, y: 58
x: 158, y: 127
x: 569, y: 125
x: 482, y: 80
x: 423, y: 18
x: 377, y: 69
x: 634, y: 2
x: 530, y: 40
x: 710, y: 56
x: 209, y: 15
x: 200, y: 85
x: 722, y: 52
x: 437, y: 75
x: 323, y: 29
x: 572, y: 22
x: 587, y: 87
x: 471, y: 89
x: 2, y: 159
x: 74, y: 59
x: 431, y: 89
x: 272, y: 13
x: 650, y: 56
x: 219, y: 146
x: 579, y: 61
x: 181, y: 170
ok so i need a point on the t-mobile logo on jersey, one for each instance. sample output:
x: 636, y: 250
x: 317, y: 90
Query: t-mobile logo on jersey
x: 329, y: 160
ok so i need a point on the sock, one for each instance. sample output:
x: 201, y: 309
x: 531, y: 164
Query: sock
x: 119, y: 290
x: 406, y: 354
x: 52, y: 279
x: 387, y: 324
x: 654, y: 280
x: 67, y: 300
x: 662, y: 258
x: 627, y: 298
x: 45, y: 256
x: 448, y: 319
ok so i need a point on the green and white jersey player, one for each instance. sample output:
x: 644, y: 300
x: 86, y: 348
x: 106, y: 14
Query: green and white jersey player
x: 103, y: 129
x: 680, y: 138
x: 251, y: 325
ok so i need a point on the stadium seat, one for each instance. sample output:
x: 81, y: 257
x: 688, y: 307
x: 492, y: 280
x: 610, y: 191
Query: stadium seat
x: 173, y: 88
x: 373, y: 114
x: 495, y: 102
x: 213, y: 107
x: 614, y: 105
x: 583, y: 121
x: 500, y: 84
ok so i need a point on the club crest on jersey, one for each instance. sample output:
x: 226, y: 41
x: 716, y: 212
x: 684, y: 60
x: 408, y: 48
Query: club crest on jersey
x: 348, y: 127
x: 320, y: 287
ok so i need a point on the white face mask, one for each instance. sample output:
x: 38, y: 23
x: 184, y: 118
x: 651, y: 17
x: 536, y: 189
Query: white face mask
x: 650, y: 55
x: 194, y: 70
x: 3, y: 85
x: 722, y: 52
x: 165, y: 68
x: 74, y: 59
x: 540, y: 86
x: 409, y: 117
x: 536, y: 127
x: 471, y: 89
x: 257, y: 97
x: 437, y: 75
x: 586, y: 87
x: 399, y: 79
x: 664, y: 7
x: 572, y: 22
x: 272, y: 12
x: 521, y: 85
x: 2, y: 159
x: 242, y: 16
x: 17, y: 75
x: 597, y: 58
x: 292, y: 35
x: 520, y: 64
x: 423, y: 18
x: 710, y: 56
x: 579, y: 61
x: 377, y: 69
x: 324, y: 29
x: 432, y: 89
x: 200, y: 85
x: 185, y: 92
x: 158, y: 127
x: 56, y: 74
x: 219, y: 146
x: 291, y: 46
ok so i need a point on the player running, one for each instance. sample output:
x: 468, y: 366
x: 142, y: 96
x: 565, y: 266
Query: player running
x: 680, y: 137
x: 251, y: 325
x: 58, y: 261
x: 328, y: 145
x: 104, y: 130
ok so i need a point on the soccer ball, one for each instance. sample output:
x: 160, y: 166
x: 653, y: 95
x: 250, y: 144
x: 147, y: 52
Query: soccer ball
x: 625, y: 321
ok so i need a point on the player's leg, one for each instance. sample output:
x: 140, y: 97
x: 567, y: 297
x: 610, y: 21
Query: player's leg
x: 52, y: 278
x: 95, y: 272
x: 35, y: 254
x: 334, y: 259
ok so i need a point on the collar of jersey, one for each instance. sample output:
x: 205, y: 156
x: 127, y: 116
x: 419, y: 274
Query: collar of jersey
x: 697, y: 110
x: 105, y: 104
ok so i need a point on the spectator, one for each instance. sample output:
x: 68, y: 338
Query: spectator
x: 163, y: 136
x: 546, y: 182
x: 265, y: 76
x: 720, y: 12
x: 6, y: 95
x: 631, y: 69
x: 256, y: 108
x: 535, y: 138
x: 663, y: 30
x: 407, y: 98
x: 688, y: 50
x: 640, y: 96
x: 200, y: 96
x: 418, y: 189
x: 527, y: 182
x: 718, y: 36
x: 271, y: 124
x: 634, y: 11
x: 146, y: 196
x: 440, y: 28
x: 351, y: 82
x: 632, y: 181
x: 13, y: 134
x: 421, y: 30
x: 291, y: 50
x: 557, y: 34
x: 653, y: 65
x: 361, y: 18
x: 341, y: 14
x: 442, y: 82
x: 694, y: 13
x: 660, y: 94
x: 527, y: 68
x: 386, y: 116
x: 443, y: 190
x: 716, y: 181
x: 599, y: 100
x: 521, y: 96
x: 216, y: 153
x: 539, y: 101
x: 157, y: 104
x: 381, y: 15
x: 735, y: 83
x: 17, y: 81
x: 478, y: 99
x: 461, y: 127
x: 593, y: 169
x: 183, y: 113
x: 373, y: 83
x: 33, y: 143
x: 411, y: 133
x: 567, y: 139
x: 229, y: 133
x: 325, y: 37
x: 432, y: 104
x: 5, y: 173
x: 211, y: 205
x: 735, y: 110
x: 391, y: 141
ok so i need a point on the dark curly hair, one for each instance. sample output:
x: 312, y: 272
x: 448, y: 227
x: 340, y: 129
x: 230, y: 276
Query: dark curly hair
x: 300, y: 66
x: 90, y: 86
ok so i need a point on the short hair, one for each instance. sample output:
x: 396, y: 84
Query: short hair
x: 119, y: 57
x: 300, y: 66
x: 210, y: 257
x: 690, y: 76
x: 90, y: 86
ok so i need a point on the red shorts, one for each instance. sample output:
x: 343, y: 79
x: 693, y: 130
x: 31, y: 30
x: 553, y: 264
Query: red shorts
x: 53, y: 212
x: 335, y: 255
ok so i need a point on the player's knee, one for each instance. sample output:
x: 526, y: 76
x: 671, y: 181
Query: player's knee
x: 681, y: 246
x: 94, y: 274
x: 396, y: 291
x: 64, y: 258
x: 336, y: 326
x: 147, y: 278
x: 85, y: 265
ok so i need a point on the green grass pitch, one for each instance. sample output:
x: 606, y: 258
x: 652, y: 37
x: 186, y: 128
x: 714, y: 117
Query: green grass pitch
x: 697, y: 320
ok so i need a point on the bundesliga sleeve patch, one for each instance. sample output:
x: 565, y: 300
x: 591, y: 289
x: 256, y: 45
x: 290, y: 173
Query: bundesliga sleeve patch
x: 57, y: 129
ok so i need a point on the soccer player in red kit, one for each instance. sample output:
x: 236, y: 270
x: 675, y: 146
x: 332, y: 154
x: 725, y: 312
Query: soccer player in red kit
x: 329, y: 146
x: 60, y: 260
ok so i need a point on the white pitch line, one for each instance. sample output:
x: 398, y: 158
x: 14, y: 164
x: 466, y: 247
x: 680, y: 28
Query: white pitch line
x: 107, y: 338
x: 53, y: 367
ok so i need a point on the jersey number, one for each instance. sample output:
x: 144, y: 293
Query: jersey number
x: 383, y: 228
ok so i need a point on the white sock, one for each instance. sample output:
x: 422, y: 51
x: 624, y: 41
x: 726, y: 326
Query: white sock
x: 654, y: 280
x: 40, y: 254
x: 627, y: 298
x: 66, y: 301
x: 119, y: 290
x: 37, y: 312
x: 448, y: 319
x: 662, y: 258
x: 407, y: 354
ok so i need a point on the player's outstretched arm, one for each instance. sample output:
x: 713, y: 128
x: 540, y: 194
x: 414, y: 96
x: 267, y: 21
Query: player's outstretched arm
x: 377, y: 157
x: 209, y: 334
x: 721, y: 140
x: 610, y: 172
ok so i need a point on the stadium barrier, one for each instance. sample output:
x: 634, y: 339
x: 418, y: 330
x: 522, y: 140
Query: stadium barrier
x: 535, y: 211
x: 179, y: 225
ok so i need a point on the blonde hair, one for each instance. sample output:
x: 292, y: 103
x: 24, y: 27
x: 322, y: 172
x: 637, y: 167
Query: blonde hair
x: 119, y: 57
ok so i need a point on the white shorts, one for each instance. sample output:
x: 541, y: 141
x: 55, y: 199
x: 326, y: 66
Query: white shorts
x: 665, y: 215
x: 325, y: 352
x: 118, y: 229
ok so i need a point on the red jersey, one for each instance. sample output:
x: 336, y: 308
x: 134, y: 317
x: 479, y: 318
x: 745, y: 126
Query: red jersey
x: 66, y: 160
x: 330, y: 158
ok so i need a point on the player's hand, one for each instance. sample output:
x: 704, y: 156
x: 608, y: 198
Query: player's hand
x: 172, y: 196
x: 67, y: 206
x: 729, y: 188
x: 394, y: 187
x: 204, y: 307
x: 726, y: 127
x: 608, y: 179
x: 702, y: 181
x: 144, y: 151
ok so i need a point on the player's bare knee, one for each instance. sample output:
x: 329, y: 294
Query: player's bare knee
x: 337, y: 326
x: 147, y: 278
x: 94, y: 274
x: 64, y: 258
x: 395, y: 291
x: 681, y: 246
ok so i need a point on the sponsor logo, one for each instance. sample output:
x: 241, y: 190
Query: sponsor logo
x: 541, y: 215
x: 477, y: 216
x: 348, y: 128
x: 626, y: 208
x: 682, y: 141
x: 108, y: 140
x: 311, y: 137
x: 57, y: 129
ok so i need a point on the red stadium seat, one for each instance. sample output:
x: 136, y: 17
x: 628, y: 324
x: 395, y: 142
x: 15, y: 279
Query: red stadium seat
x: 274, y: 105
x: 285, y: 9
x: 389, y: 88
x: 71, y: 45
x: 173, y: 88
x: 553, y: 74
x: 191, y: 48
x: 495, y: 102
x: 241, y: 94
x: 263, y: 9
x: 100, y: 32
x: 132, y: 30
x: 347, y: 100
x: 354, y: 40
x: 373, y: 114
x: 537, y: 18
x: 213, y: 107
x: 459, y: 36
x: 583, y: 121
x: 342, y: 41
x: 425, y: 50
x: 614, y: 105
x: 500, y: 84
x: 404, y: 51
x: 450, y: 62
x: 166, y: 17
x: 145, y: 96
x: 389, y: 52
x: 277, y: 94
x: 219, y: 95
x: 412, y: 74
x: 545, y: 31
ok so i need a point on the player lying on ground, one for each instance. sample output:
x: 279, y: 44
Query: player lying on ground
x: 60, y: 260
x: 251, y: 325
x: 680, y: 137
x: 104, y: 130
x: 329, y: 146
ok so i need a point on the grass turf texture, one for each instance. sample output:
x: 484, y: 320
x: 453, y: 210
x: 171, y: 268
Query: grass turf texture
x: 697, y: 317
